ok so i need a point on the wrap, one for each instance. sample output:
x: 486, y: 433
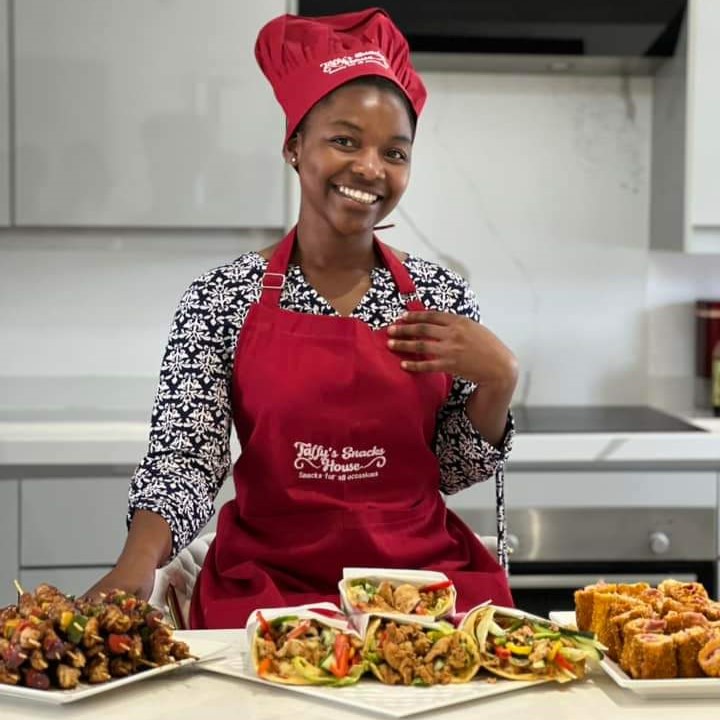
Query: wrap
x: 407, y: 592
x: 401, y: 650
x: 519, y: 646
x: 305, y: 645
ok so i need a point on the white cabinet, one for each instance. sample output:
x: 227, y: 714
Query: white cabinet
x: 704, y: 116
x: 9, y: 550
x: 685, y: 207
x: 4, y: 118
x: 145, y: 113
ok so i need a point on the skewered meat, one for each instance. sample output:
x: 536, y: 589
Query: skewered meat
x: 67, y: 677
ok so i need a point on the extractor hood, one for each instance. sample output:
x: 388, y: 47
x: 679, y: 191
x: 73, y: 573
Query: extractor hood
x: 593, y: 36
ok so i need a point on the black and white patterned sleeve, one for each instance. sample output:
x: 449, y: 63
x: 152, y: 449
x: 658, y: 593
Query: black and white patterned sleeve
x: 188, y: 455
x: 465, y: 456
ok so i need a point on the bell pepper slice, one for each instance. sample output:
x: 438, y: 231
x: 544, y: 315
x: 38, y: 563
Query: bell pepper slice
x: 437, y: 586
x: 264, y: 666
x: 502, y: 652
x: 301, y: 629
x: 264, y: 624
x: 563, y: 662
x: 518, y: 649
x: 341, y: 666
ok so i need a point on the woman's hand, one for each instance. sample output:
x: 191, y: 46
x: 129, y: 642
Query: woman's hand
x: 459, y: 346
x: 453, y: 344
x: 131, y: 577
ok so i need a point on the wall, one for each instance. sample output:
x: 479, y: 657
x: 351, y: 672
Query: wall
x: 535, y: 187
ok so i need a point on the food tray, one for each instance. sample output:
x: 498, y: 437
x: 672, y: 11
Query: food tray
x: 202, y: 649
x: 372, y: 696
x: 705, y: 687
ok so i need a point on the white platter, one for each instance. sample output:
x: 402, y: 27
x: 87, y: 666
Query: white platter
x: 202, y: 649
x: 704, y: 687
x: 372, y: 696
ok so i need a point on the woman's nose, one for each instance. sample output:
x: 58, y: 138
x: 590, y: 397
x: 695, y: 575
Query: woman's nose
x: 369, y: 165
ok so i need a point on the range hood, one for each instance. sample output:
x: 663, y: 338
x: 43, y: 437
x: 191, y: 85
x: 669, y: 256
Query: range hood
x: 585, y: 36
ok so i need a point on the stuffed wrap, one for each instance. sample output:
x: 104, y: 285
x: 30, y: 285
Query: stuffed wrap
x: 399, y: 651
x: 429, y: 594
x: 517, y: 646
x: 305, y: 648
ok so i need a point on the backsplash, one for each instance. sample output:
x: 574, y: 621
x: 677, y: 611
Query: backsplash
x: 534, y: 187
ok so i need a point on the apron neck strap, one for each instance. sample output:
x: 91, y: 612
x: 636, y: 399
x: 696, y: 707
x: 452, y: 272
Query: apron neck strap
x: 273, y: 281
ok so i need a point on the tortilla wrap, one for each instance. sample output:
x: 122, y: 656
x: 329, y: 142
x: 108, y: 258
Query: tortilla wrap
x: 440, y: 653
x: 398, y: 596
x: 307, y: 657
x: 516, y: 646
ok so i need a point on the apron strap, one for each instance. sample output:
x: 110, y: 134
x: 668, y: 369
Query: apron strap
x: 273, y: 281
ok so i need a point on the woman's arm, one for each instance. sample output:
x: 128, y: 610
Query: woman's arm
x: 173, y: 489
x: 147, y: 547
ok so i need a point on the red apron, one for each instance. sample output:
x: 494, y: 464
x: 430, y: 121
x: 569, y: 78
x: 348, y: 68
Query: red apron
x: 336, y: 468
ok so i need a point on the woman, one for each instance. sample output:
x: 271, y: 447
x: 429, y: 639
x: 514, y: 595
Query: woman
x: 359, y: 379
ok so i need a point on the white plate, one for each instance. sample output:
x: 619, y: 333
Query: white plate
x: 703, y: 687
x: 202, y: 649
x: 371, y: 695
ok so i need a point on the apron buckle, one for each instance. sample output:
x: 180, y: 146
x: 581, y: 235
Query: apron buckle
x: 272, y: 285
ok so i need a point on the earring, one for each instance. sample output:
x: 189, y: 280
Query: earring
x: 293, y: 159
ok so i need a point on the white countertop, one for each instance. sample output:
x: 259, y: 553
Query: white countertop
x: 194, y: 693
x: 106, y: 442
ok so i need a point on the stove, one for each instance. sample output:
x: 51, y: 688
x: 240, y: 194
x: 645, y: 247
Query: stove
x: 597, y: 419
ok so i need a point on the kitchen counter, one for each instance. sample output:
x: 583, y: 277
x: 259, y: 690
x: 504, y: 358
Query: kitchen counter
x: 32, y: 446
x: 84, y: 426
x: 195, y: 693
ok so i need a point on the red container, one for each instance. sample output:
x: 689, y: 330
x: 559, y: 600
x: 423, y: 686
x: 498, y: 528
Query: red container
x: 707, y: 326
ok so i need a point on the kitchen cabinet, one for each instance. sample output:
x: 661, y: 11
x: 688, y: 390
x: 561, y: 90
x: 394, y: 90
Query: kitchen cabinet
x: 4, y: 118
x: 66, y: 531
x: 9, y: 560
x: 685, y: 213
x: 145, y: 113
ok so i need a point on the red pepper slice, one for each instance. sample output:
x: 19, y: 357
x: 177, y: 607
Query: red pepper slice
x: 264, y: 624
x: 437, y: 586
x: 502, y: 652
x: 563, y: 662
x: 301, y: 629
x: 118, y: 644
x: 341, y: 648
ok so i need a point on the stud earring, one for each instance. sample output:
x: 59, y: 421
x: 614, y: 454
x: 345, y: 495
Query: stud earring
x: 293, y: 159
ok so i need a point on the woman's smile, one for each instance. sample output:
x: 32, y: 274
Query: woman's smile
x: 356, y: 195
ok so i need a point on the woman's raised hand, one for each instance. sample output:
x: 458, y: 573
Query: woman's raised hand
x: 452, y: 344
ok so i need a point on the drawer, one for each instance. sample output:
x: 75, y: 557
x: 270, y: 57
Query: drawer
x: 72, y: 522
x: 73, y: 581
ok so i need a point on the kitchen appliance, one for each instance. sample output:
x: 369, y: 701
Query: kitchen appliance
x: 707, y: 339
x: 555, y: 550
x: 572, y: 525
x: 561, y: 35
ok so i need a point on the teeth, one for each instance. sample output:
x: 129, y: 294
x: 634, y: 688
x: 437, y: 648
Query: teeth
x: 359, y: 195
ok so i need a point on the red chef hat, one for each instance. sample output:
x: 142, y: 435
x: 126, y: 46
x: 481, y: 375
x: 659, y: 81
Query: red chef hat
x: 305, y: 58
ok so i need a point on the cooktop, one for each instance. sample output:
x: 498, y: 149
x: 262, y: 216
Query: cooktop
x: 597, y: 418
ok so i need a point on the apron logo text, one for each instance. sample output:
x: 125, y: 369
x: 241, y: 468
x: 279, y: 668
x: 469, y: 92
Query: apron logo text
x: 318, y: 462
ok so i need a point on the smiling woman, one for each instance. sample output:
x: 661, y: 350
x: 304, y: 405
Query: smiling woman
x: 359, y: 379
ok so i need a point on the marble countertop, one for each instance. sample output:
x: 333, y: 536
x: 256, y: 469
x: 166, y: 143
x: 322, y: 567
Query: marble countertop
x: 105, y: 422
x: 195, y: 693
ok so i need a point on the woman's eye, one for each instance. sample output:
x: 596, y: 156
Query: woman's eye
x: 343, y: 141
x: 397, y: 155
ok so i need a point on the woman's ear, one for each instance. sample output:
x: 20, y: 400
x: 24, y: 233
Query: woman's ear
x: 290, y: 151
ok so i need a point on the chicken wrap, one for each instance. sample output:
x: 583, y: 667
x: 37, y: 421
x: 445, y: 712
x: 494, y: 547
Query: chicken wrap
x: 399, y: 651
x: 406, y: 592
x: 301, y: 646
x: 517, y: 646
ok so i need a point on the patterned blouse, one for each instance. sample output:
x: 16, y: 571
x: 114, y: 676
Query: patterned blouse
x: 188, y: 456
